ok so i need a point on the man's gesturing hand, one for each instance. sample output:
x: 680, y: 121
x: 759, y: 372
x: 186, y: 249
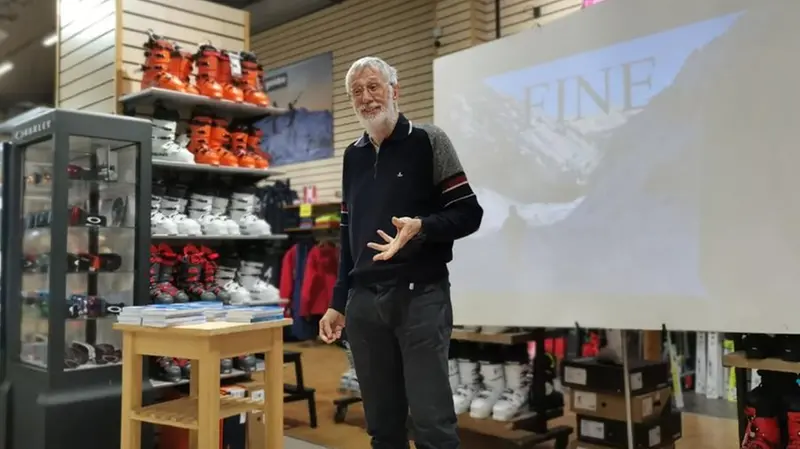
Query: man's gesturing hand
x: 330, y: 326
x: 407, y: 228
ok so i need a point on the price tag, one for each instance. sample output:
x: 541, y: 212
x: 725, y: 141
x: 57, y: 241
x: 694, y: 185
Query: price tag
x: 236, y: 64
x: 305, y: 210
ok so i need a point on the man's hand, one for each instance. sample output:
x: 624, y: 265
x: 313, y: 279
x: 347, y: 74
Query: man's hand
x: 407, y: 228
x: 331, y: 326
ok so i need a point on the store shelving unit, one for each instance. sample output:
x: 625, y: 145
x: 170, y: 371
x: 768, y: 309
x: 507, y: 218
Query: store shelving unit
x: 741, y: 364
x: 526, y: 430
x: 74, y: 178
x: 144, y: 100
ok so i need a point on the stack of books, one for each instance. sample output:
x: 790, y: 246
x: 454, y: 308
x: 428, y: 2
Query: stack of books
x: 256, y: 314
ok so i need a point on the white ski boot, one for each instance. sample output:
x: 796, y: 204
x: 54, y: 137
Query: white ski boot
x: 261, y: 291
x: 226, y: 278
x: 172, y: 208
x: 492, y: 388
x: 469, y: 372
x: 452, y: 366
x: 159, y: 223
x: 219, y: 207
x: 165, y: 147
x: 516, y: 397
x: 242, y: 211
x: 200, y: 209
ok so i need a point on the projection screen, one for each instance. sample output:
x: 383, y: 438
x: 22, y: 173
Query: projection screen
x: 637, y: 164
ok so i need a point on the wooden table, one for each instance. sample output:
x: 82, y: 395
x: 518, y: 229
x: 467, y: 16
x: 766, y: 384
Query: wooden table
x: 204, y: 345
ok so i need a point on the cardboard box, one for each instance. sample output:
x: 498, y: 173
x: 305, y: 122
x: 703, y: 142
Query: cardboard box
x: 255, y: 420
x: 653, y: 433
x: 589, y: 374
x: 612, y: 406
x: 581, y: 445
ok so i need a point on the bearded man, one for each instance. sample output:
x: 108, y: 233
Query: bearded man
x: 393, y: 291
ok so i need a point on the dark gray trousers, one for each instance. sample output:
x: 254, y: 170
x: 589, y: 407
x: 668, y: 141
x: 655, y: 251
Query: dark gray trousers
x: 400, y: 337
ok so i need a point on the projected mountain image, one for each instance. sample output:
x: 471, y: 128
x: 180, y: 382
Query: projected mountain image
x: 603, y: 178
x: 299, y: 136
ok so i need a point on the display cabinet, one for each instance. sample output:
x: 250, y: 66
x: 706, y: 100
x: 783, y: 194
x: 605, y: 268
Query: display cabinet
x: 76, y: 253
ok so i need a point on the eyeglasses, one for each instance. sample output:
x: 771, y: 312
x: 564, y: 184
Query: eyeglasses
x: 372, y: 88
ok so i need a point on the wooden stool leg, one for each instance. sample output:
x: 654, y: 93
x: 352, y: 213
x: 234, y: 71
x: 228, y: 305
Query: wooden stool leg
x: 273, y: 389
x: 208, y: 402
x: 130, y: 430
x: 194, y: 391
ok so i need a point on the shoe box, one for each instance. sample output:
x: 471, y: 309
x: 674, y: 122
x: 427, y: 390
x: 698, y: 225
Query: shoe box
x: 581, y: 445
x: 612, y: 406
x: 254, y: 421
x: 654, y: 432
x: 591, y: 374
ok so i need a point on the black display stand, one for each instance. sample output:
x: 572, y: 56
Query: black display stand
x: 73, y: 178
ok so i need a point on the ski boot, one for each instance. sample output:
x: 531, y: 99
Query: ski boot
x: 192, y: 266
x: 181, y: 65
x: 492, y: 387
x: 219, y: 208
x: 759, y: 346
x: 226, y: 277
x: 210, y: 273
x: 207, y: 61
x: 761, y: 408
x: 173, y: 206
x: 230, y: 90
x: 246, y: 363
x: 254, y: 136
x: 157, y: 294
x: 239, y: 147
x: 165, y: 283
x: 159, y: 223
x: 169, y: 370
x: 226, y: 366
x: 243, y: 206
x: 200, y: 141
x: 201, y: 209
x: 261, y: 291
x: 156, y: 69
x: 220, y: 143
x: 165, y: 146
x: 252, y: 74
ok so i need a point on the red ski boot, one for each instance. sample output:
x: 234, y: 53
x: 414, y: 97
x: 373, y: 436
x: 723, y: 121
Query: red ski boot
x: 192, y: 271
x: 162, y: 281
x: 210, y: 274
x: 763, y: 430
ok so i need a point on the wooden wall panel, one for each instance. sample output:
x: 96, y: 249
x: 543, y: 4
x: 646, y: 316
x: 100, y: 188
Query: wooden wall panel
x: 399, y: 31
x: 86, y: 55
x: 186, y: 22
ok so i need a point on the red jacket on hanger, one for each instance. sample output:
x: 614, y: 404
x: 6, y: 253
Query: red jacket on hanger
x: 319, y: 278
x: 286, y: 285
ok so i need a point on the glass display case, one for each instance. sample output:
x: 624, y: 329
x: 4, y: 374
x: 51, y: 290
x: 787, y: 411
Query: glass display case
x: 78, y: 187
x: 100, y: 241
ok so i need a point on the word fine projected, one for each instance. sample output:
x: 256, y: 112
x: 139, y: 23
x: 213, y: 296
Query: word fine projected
x: 620, y: 78
x: 623, y: 88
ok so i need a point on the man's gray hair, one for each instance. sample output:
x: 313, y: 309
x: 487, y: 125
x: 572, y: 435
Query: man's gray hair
x: 388, y: 72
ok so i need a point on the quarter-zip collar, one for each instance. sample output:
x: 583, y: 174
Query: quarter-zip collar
x: 402, y: 129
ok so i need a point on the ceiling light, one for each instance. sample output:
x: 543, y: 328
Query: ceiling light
x: 6, y: 67
x: 50, y: 40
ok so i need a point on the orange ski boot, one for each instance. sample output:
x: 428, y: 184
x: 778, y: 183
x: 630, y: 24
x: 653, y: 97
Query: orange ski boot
x: 239, y: 139
x: 254, y: 135
x: 220, y: 143
x: 251, y: 74
x: 181, y: 65
x: 230, y: 91
x: 199, y: 134
x: 207, y: 61
x: 156, y: 68
x: 205, y: 155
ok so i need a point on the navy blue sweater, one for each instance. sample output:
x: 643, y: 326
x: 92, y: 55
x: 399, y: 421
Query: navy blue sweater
x: 414, y: 173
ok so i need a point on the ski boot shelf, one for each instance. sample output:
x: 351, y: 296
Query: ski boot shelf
x: 739, y: 360
x: 145, y: 100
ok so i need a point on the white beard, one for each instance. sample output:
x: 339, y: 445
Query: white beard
x: 378, y: 121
